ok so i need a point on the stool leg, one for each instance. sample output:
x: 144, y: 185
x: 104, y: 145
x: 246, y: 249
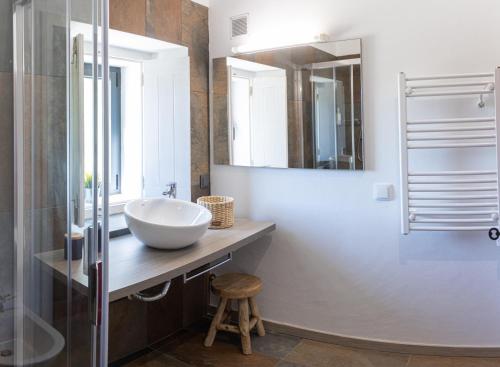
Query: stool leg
x: 227, y: 319
x: 256, y: 313
x: 212, y: 332
x: 244, y: 313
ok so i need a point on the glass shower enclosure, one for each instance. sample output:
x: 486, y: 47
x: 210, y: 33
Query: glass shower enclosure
x: 45, y: 319
x: 337, y: 131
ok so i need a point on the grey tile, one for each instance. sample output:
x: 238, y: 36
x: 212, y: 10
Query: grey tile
x: 48, y: 48
x: 6, y: 35
x: 316, y: 354
x: 192, y: 351
x: 56, y: 141
x: 200, y: 149
x: 195, y: 35
x: 128, y: 16
x: 225, y: 352
x: 378, y: 359
x: 475, y: 362
x: 45, y: 229
x: 156, y: 359
x: 220, y: 130
x: 6, y: 253
x: 288, y: 364
x: 429, y: 361
x: 81, y: 11
x: 45, y: 142
x: 6, y: 326
x: 6, y: 143
x: 163, y: 20
x: 6, y: 273
x: 274, y: 345
x: 220, y: 109
x: 433, y: 361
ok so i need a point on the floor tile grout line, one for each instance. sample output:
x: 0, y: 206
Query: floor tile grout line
x: 351, y: 350
x: 162, y: 340
x: 292, y: 350
x: 153, y: 350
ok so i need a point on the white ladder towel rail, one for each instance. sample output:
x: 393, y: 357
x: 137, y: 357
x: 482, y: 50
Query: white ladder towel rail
x: 446, y: 199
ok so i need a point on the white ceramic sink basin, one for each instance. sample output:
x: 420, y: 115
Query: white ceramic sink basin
x: 167, y: 224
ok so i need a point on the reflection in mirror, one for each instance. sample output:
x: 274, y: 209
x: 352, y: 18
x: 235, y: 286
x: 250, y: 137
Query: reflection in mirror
x: 298, y: 107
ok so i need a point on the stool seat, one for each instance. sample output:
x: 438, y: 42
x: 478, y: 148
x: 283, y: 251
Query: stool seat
x: 242, y: 288
x: 237, y: 286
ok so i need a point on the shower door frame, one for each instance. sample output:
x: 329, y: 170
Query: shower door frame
x: 18, y: 81
x: 99, y: 338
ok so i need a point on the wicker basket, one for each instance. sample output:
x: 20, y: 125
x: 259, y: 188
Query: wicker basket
x: 222, y: 209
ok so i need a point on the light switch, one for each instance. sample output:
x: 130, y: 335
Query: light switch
x: 382, y: 192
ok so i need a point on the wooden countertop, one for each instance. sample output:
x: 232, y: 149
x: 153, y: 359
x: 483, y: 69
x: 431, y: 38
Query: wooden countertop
x: 135, y: 267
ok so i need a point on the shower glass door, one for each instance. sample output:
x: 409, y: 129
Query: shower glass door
x: 58, y: 303
x: 336, y: 88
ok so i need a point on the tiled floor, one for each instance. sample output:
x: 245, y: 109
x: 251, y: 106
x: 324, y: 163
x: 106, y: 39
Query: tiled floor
x: 186, y: 350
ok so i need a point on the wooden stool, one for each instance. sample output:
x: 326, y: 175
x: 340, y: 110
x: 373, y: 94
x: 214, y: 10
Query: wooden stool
x: 244, y: 288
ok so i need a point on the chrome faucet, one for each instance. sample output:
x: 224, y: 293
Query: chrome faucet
x: 171, y: 191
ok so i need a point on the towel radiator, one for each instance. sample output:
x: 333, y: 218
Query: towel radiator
x: 448, y: 199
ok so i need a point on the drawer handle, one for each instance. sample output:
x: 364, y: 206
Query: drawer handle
x: 228, y: 258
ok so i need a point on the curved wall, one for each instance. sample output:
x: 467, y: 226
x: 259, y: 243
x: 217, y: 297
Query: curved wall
x: 337, y: 262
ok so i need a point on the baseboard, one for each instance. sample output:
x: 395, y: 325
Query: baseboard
x: 445, y: 351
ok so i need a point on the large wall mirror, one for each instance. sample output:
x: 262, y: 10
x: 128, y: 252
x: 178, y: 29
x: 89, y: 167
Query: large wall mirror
x: 297, y: 107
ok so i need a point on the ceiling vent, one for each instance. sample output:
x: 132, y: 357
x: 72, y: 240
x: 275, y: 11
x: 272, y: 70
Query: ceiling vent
x: 239, y: 26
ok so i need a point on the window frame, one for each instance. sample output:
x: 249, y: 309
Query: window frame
x: 116, y: 125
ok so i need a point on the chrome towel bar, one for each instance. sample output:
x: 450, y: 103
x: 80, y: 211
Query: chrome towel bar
x: 147, y: 298
x: 228, y: 258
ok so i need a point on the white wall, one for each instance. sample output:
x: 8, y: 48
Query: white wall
x: 337, y: 262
